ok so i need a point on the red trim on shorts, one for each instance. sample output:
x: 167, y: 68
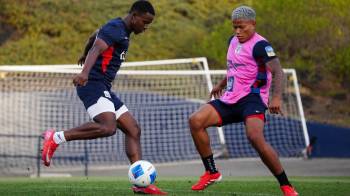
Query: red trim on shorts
x: 106, y: 58
x: 220, y: 119
x: 260, y: 116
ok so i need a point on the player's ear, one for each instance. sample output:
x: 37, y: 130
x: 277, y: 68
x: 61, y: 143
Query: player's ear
x: 133, y: 17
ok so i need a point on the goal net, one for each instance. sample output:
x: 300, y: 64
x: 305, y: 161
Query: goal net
x: 160, y: 95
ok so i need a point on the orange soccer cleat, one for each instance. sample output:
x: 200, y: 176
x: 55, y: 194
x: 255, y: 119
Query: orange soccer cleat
x: 151, y: 190
x: 49, y: 147
x: 205, y: 180
x: 288, y: 190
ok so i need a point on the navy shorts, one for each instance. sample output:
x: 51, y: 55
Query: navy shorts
x: 98, y: 98
x: 249, y: 105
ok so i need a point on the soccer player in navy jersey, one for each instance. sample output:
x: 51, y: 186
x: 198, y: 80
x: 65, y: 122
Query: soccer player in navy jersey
x: 243, y: 97
x: 103, y: 55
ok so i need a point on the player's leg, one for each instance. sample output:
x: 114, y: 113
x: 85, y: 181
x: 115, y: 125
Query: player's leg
x: 205, y: 117
x: 104, y: 125
x: 129, y: 126
x: 254, y: 130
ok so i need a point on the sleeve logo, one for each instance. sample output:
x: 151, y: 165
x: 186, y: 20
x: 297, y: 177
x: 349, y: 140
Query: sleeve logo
x: 269, y: 51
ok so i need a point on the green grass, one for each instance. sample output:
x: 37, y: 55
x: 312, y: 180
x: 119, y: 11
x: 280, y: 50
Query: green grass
x: 255, y: 186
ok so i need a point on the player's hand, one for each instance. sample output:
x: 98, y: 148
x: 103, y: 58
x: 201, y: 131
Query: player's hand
x: 216, y: 92
x: 80, y: 79
x: 275, y: 106
x: 81, y: 60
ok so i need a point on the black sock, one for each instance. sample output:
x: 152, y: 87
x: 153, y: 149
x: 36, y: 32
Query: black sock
x: 209, y: 164
x: 283, y: 179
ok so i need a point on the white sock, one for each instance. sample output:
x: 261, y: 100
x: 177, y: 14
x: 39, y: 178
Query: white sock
x: 58, y: 137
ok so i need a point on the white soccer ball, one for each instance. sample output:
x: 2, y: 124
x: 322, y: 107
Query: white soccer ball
x: 142, y: 173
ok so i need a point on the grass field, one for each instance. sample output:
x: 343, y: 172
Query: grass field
x: 254, y: 186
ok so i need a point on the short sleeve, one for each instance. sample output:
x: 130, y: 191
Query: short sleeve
x: 229, y: 40
x: 263, y: 51
x: 110, y: 34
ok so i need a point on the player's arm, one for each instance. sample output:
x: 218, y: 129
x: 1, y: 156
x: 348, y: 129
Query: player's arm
x: 277, y: 82
x: 264, y: 54
x: 217, y: 90
x: 97, y: 48
x: 88, y: 46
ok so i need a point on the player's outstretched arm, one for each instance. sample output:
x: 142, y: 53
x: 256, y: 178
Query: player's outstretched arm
x: 98, y: 47
x: 217, y: 90
x: 277, y: 73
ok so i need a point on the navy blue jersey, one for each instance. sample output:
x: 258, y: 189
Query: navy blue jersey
x: 116, y: 35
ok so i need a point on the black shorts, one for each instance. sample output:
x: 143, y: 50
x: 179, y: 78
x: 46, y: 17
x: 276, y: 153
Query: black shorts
x: 249, y: 105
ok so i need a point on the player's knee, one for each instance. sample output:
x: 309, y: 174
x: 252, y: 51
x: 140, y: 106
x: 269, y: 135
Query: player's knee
x: 195, y: 122
x: 108, y: 130
x: 254, y: 137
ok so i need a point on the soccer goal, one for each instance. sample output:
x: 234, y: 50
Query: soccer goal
x: 160, y: 94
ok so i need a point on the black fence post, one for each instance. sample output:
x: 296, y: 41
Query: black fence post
x: 38, y: 157
x: 86, y: 158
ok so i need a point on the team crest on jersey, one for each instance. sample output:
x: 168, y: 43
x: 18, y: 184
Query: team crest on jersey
x: 123, y: 55
x: 238, y: 49
x: 269, y: 51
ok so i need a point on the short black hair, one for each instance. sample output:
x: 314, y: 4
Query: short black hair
x: 142, y: 6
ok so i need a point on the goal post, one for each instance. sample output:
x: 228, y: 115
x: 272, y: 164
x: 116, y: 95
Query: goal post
x: 160, y: 94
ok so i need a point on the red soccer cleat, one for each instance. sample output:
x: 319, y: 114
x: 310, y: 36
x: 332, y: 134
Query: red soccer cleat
x: 49, y: 147
x: 205, y: 180
x: 288, y: 190
x: 151, y: 189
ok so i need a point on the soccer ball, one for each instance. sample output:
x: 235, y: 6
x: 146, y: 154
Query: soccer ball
x: 142, y: 173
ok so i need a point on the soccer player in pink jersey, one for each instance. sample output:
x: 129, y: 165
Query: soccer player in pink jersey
x: 251, y: 63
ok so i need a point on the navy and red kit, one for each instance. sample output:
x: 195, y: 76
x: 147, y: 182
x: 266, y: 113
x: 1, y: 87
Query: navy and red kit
x: 116, y: 35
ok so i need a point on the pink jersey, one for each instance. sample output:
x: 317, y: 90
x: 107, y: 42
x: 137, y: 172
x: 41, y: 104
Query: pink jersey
x: 242, y: 70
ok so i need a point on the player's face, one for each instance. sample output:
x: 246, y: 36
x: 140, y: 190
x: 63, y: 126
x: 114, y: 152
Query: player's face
x: 140, y: 22
x: 243, y: 29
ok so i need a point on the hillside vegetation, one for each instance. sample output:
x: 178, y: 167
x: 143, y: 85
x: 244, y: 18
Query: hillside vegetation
x: 312, y: 36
